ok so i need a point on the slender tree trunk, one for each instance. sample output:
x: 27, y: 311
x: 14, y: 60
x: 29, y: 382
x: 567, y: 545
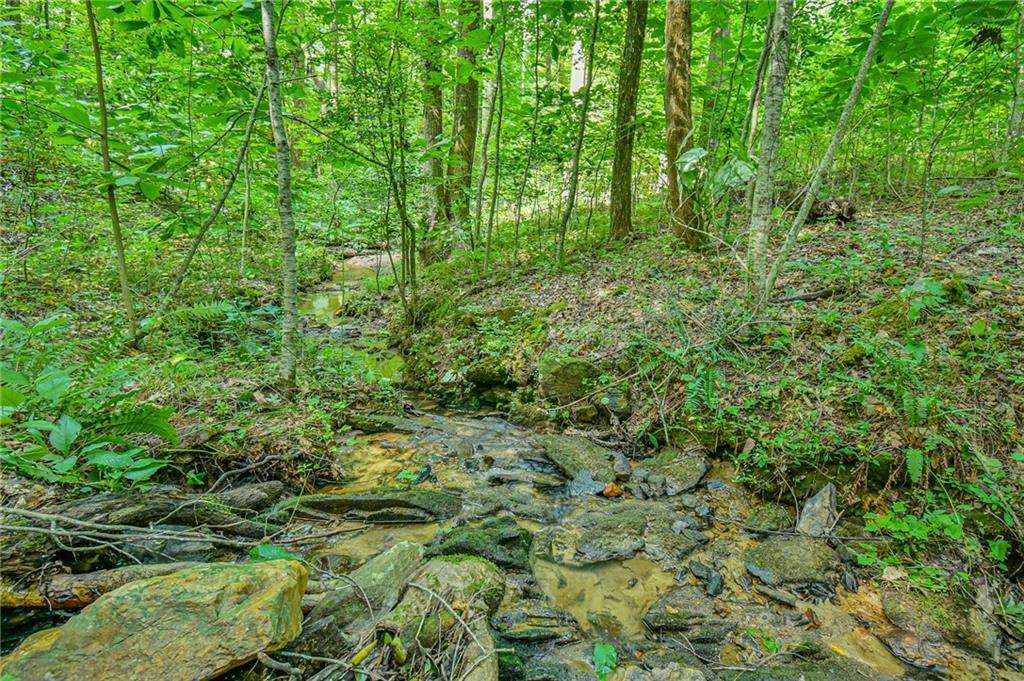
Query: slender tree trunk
x: 492, y: 100
x: 761, y: 207
x: 1015, y: 127
x: 830, y: 152
x: 750, y: 121
x: 621, y: 221
x: 574, y: 172
x: 533, y: 141
x: 495, y: 185
x: 115, y: 221
x: 290, y: 317
x: 433, y: 247
x: 467, y: 102
x: 679, y: 116
x: 246, y: 211
x: 715, y: 80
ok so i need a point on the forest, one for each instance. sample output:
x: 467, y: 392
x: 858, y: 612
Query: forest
x: 512, y: 340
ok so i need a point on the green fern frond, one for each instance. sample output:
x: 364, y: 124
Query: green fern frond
x: 144, y: 418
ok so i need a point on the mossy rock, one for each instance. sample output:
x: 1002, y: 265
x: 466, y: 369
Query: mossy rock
x: 563, y: 379
x: 769, y: 517
x: 794, y: 560
x: 572, y: 455
x: 851, y: 355
x: 499, y: 540
x: 892, y: 314
x: 384, y: 503
x: 938, y: 617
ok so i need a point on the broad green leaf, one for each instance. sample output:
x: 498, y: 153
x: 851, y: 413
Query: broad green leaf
x: 65, y: 433
x: 109, y: 459
x: 51, y: 385
x: 605, y: 660
x: 10, y: 397
x: 144, y: 469
x: 12, y: 377
x: 75, y: 114
x: 125, y: 180
x: 37, y: 424
x: 149, y: 189
x: 270, y: 552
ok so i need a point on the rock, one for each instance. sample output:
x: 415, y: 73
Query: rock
x: 527, y: 414
x: 532, y: 621
x: 341, y: 616
x: 686, y: 610
x: 595, y: 533
x: 934, y: 617
x: 818, y: 516
x: 620, y: 464
x: 664, y: 544
x: 584, y: 485
x: 499, y: 540
x: 794, y: 560
x: 670, y: 473
x: 564, y: 379
x: 712, y: 578
x: 255, y: 497
x: 614, y: 402
x: 769, y: 518
x: 385, y: 503
x: 193, y: 624
x: 574, y: 454
x: 671, y: 672
x: 487, y: 372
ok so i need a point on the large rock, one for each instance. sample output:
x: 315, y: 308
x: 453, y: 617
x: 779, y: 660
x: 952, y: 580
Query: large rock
x: 769, y: 517
x: 499, y: 540
x: 670, y: 473
x: 193, y: 624
x: 385, y: 503
x: 686, y: 610
x: 935, y: 617
x: 671, y: 672
x: 565, y: 379
x: 370, y: 591
x: 533, y: 621
x: 818, y: 516
x: 572, y: 455
x: 795, y: 560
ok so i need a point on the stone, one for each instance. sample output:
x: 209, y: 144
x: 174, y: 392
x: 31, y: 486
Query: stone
x: 818, y: 516
x: 584, y: 485
x: 614, y: 402
x: 342, y: 616
x: 255, y: 497
x: 712, y: 578
x: 794, y: 560
x: 499, y: 540
x: 193, y: 624
x: 563, y: 379
x: 670, y: 672
x: 595, y: 533
x: 533, y: 621
x: 769, y: 517
x: 527, y: 414
x: 685, y: 609
x: 385, y: 503
x: 574, y: 454
x: 670, y: 473
x: 934, y: 617
x: 487, y: 372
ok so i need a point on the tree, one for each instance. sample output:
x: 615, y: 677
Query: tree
x: 115, y: 220
x: 433, y: 122
x: 1016, y: 125
x: 574, y: 172
x: 621, y: 223
x: 678, y: 115
x: 467, y: 102
x: 761, y: 205
x: 290, y: 316
x: 826, y: 161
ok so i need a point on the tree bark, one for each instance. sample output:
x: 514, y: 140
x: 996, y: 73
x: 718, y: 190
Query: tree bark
x: 290, y: 316
x: 115, y: 220
x: 715, y: 79
x: 830, y: 152
x: 750, y: 120
x: 679, y: 115
x: 433, y: 248
x: 491, y: 104
x: 574, y: 172
x: 621, y: 221
x: 467, y: 102
x: 761, y: 206
x: 1015, y: 128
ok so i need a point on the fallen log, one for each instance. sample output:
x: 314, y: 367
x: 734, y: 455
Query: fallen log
x: 64, y: 591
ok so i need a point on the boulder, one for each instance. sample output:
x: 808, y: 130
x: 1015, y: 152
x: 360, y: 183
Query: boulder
x: 769, y: 517
x: 533, y: 621
x: 614, y: 402
x: 564, y: 379
x: 934, y: 617
x: 671, y: 672
x: 794, y: 560
x: 385, y: 503
x: 193, y: 624
x: 571, y: 455
x: 669, y: 473
x: 499, y: 540
x: 487, y: 372
x: 818, y: 516
x: 686, y: 610
x: 342, y: 615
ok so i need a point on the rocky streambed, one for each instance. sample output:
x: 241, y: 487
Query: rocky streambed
x: 462, y: 546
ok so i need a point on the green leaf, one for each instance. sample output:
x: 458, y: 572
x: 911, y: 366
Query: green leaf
x: 150, y: 190
x: 109, y: 459
x: 10, y: 397
x: 144, y: 469
x: 65, y: 433
x: 144, y: 418
x: 12, y: 377
x: 51, y: 385
x: 66, y: 464
x: 75, y: 114
x: 605, y: 660
x: 915, y: 464
x: 125, y: 180
x: 270, y: 552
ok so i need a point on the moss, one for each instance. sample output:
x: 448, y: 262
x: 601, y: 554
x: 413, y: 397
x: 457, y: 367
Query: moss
x: 769, y: 518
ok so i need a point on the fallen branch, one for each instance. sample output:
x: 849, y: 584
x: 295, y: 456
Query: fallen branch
x: 813, y: 295
x: 65, y: 591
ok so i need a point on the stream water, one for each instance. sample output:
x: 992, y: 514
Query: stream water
x: 496, y: 469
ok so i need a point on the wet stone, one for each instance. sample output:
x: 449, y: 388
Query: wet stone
x: 670, y: 672
x: 769, y: 517
x: 584, y: 485
x: 531, y: 622
x: 670, y: 473
x: 499, y: 540
x: 818, y: 516
x: 386, y: 503
x: 712, y: 578
x: 794, y: 560
x: 686, y: 610
x: 572, y: 455
x: 934, y: 617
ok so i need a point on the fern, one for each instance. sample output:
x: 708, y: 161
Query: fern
x: 915, y: 464
x: 205, y: 313
x: 144, y: 418
x: 702, y: 389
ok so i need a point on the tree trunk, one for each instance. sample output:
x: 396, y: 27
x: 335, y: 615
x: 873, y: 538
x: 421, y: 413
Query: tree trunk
x: 679, y: 116
x: 750, y: 121
x: 115, y: 220
x: 1015, y: 128
x: 574, y: 172
x: 761, y: 206
x: 467, y: 102
x: 491, y: 103
x: 621, y: 222
x: 833, y: 146
x: 715, y: 79
x: 433, y: 247
x: 290, y: 317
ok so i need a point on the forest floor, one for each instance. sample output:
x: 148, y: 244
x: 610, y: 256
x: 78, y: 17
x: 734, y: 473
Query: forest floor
x: 895, y: 377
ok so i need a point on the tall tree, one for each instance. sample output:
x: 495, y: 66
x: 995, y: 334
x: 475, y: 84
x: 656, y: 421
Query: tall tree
x: 679, y: 115
x: 1015, y: 128
x: 467, y: 103
x: 621, y: 225
x: 115, y: 220
x: 433, y: 121
x: 574, y: 172
x: 290, y: 316
x: 761, y: 205
x: 715, y: 80
x: 830, y: 152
